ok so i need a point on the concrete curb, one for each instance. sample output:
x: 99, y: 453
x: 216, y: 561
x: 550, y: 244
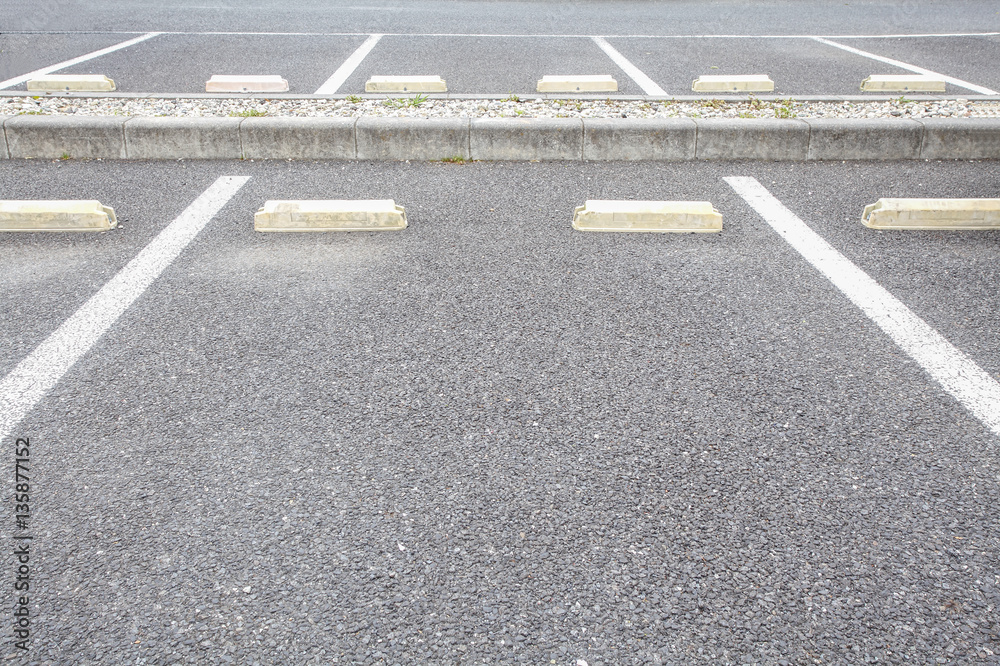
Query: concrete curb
x: 882, y: 139
x: 299, y: 138
x: 752, y: 139
x: 4, y: 152
x: 969, y: 139
x: 526, y: 139
x: 666, y: 139
x: 412, y: 138
x: 600, y: 139
x: 183, y: 138
x: 54, y: 137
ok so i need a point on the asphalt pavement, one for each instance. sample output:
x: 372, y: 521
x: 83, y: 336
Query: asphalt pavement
x: 498, y: 64
x: 629, y: 17
x: 494, y: 48
x: 491, y: 438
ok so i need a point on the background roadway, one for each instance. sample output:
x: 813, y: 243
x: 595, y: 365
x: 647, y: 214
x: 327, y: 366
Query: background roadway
x: 504, y: 47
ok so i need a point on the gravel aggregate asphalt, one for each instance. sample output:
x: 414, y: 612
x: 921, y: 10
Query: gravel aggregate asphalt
x: 489, y: 438
x: 525, y: 107
x: 626, y: 17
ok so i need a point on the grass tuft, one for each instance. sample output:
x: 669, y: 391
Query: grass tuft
x: 404, y: 102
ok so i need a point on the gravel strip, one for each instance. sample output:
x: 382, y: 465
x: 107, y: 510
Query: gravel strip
x: 511, y: 108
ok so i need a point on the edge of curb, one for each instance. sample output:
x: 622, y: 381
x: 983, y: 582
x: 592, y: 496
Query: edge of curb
x: 572, y: 139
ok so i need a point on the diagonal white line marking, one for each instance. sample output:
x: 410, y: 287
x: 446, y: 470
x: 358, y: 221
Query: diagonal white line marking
x: 913, y: 68
x: 344, y: 71
x: 957, y: 373
x: 69, y: 63
x: 34, y: 376
x: 647, y: 84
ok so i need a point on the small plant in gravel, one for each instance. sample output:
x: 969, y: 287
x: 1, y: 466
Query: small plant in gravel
x: 354, y: 99
x: 31, y: 113
x: 456, y: 159
x: 784, y: 109
x: 404, y: 102
x: 512, y: 98
x: 904, y: 100
x: 249, y: 113
x: 714, y: 103
x: 519, y: 112
x: 755, y: 104
x: 64, y: 156
x: 579, y: 105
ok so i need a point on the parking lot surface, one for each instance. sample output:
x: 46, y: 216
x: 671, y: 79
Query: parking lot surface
x: 489, y: 437
x: 492, y: 64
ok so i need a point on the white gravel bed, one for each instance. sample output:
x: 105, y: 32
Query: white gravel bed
x: 510, y: 108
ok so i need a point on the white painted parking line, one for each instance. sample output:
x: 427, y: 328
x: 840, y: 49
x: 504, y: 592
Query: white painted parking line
x: 44, y: 367
x: 486, y: 34
x: 647, y: 84
x: 343, y: 72
x: 69, y: 63
x: 957, y: 373
x: 913, y: 68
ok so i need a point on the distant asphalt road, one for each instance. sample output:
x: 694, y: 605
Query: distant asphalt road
x: 437, y: 16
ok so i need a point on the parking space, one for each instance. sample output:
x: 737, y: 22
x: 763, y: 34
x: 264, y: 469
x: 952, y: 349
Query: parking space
x: 491, y: 436
x: 46, y: 276
x: 23, y: 53
x: 797, y: 66
x: 183, y: 63
x: 488, y: 65
x: 978, y: 63
x: 945, y: 278
x: 496, y: 64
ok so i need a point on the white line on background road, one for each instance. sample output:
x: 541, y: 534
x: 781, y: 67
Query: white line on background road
x: 955, y: 371
x: 344, y: 71
x: 647, y: 84
x: 480, y: 34
x: 913, y: 68
x: 44, y: 367
x: 69, y: 63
